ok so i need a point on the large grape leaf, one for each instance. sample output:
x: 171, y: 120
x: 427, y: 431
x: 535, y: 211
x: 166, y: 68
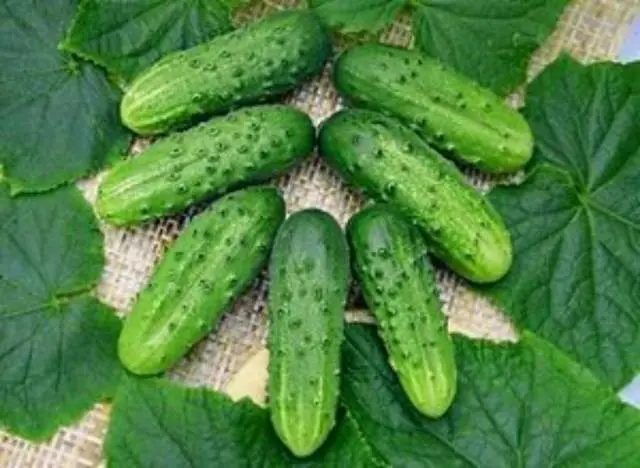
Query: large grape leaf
x: 490, y: 40
x: 57, y: 344
x: 525, y: 405
x: 126, y: 36
x: 179, y: 427
x: 357, y: 15
x: 58, y: 116
x: 575, y: 222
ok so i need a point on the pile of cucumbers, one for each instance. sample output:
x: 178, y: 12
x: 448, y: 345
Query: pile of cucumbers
x: 411, y: 110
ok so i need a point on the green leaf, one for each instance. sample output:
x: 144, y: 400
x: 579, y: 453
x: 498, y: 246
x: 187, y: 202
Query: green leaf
x: 126, y: 36
x: 575, y: 222
x: 57, y: 361
x: 525, y: 405
x: 58, y: 116
x: 178, y: 427
x: 57, y: 345
x: 51, y: 246
x: 357, y: 15
x: 233, y: 5
x: 490, y: 41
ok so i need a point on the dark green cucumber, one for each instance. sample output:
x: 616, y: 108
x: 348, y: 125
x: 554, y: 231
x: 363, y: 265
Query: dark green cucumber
x: 399, y: 286
x: 248, y: 146
x: 212, y: 262
x: 447, y: 109
x: 394, y: 165
x: 309, y: 281
x: 261, y: 60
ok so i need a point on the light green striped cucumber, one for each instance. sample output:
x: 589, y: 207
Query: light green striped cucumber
x: 447, y: 109
x: 261, y: 60
x: 398, y: 283
x: 394, y: 165
x: 309, y: 281
x: 244, y: 147
x: 212, y: 262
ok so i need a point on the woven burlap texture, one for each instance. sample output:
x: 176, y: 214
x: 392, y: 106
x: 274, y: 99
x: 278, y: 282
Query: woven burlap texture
x: 590, y: 30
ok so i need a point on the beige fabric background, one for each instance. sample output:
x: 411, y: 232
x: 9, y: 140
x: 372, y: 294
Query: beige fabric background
x: 590, y: 30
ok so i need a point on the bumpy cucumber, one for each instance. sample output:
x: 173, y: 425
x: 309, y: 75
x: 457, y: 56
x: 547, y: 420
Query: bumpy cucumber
x: 309, y: 280
x: 394, y: 165
x: 263, y: 59
x: 398, y: 283
x: 447, y: 109
x: 244, y: 147
x: 219, y: 254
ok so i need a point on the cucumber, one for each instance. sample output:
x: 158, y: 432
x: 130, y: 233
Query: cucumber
x: 247, y: 146
x: 394, y: 165
x: 261, y: 60
x: 212, y: 262
x: 399, y: 287
x: 309, y: 282
x: 449, y: 110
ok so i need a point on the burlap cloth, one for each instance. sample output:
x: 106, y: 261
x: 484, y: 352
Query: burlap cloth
x: 590, y: 30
